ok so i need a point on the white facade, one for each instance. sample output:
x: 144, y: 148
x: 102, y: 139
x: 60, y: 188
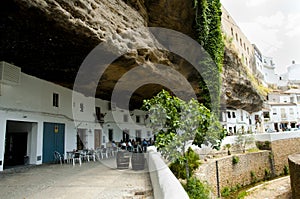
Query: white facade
x: 240, y: 121
x: 29, y: 103
x: 284, y: 109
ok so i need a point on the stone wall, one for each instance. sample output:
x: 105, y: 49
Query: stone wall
x: 294, y: 164
x: 250, y: 167
x: 281, y: 149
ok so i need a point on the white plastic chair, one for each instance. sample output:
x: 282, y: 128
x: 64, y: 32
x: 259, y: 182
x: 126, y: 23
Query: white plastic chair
x: 58, y: 157
x: 76, y: 157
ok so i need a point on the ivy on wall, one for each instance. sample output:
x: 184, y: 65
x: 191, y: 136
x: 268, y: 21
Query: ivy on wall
x: 209, y: 35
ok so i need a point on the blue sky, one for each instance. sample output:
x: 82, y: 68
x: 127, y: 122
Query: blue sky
x: 273, y: 25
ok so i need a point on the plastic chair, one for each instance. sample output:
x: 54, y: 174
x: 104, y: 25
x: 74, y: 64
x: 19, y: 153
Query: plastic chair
x: 76, y: 157
x: 58, y: 157
x: 104, y: 153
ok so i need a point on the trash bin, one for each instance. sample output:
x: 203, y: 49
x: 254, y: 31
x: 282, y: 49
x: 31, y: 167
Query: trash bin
x: 138, y: 161
x: 123, y: 159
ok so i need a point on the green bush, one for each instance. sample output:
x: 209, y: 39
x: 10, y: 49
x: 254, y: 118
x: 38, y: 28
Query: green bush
x: 178, y: 167
x: 267, y: 174
x: 266, y: 145
x: 225, y: 192
x: 235, y: 160
x: 242, y: 195
x: 196, y: 189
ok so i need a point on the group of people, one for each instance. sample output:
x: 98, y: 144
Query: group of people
x: 135, y: 146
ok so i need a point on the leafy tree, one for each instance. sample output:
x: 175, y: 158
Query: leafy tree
x: 177, y: 122
x: 243, y: 140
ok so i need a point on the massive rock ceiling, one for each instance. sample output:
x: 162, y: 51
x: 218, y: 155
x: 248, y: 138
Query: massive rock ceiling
x: 50, y: 39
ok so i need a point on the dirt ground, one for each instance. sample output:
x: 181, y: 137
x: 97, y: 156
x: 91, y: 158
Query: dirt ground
x: 276, y: 189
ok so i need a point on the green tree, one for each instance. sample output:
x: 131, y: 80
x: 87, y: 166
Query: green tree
x: 177, y: 122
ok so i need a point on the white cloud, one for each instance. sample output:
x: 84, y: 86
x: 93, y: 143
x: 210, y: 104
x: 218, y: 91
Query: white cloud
x: 253, y: 3
x: 266, y: 39
x: 275, y: 20
x: 293, y: 25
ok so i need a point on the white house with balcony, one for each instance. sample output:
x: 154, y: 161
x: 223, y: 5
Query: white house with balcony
x: 38, y: 117
x: 284, y: 107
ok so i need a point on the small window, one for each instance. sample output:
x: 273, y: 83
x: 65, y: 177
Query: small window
x: 98, y: 113
x: 55, y: 99
x: 81, y: 107
x: 274, y: 111
x: 266, y: 115
x: 236, y: 37
x: 228, y: 114
x: 232, y: 32
x: 125, y: 118
x: 291, y: 111
x: 233, y: 114
x: 137, y: 119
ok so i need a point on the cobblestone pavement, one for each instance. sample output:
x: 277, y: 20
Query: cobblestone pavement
x: 93, y: 180
x: 276, y: 189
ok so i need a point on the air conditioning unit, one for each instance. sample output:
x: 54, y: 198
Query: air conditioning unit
x: 9, y: 74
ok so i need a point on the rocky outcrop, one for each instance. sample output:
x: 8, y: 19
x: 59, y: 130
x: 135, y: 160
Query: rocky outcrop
x: 51, y: 38
x: 237, y: 89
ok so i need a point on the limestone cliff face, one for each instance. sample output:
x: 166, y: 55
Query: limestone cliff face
x: 51, y: 38
x: 238, y: 91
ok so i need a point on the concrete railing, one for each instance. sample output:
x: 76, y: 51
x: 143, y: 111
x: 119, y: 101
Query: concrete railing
x: 265, y: 137
x: 165, y: 184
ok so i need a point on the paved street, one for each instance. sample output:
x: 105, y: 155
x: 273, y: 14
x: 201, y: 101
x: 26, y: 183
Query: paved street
x: 90, y: 180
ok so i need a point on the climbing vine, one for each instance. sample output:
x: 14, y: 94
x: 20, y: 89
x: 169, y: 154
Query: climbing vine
x: 209, y: 35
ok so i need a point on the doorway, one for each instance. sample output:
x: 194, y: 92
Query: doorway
x: 125, y: 135
x: 18, y: 143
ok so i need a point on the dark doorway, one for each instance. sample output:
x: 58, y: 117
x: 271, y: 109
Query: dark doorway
x: 15, y: 148
x: 125, y: 135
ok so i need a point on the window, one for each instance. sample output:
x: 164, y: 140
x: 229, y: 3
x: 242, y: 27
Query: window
x: 233, y: 114
x: 283, y: 114
x: 55, y: 100
x: 266, y: 115
x: 228, y: 114
x: 236, y: 37
x: 232, y: 32
x: 242, y: 116
x: 125, y: 118
x: 137, y: 119
x: 248, y: 50
x: 241, y: 43
x: 298, y: 99
x: 98, y: 113
x: 110, y: 135
x: 292, y: 99
x: 81, y: 107
x: 291, y: 111
x: 274, y: 111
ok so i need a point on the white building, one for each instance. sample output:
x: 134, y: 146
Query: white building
x: 39, y: 117
x: 240, y: 121
x: 284, y: 109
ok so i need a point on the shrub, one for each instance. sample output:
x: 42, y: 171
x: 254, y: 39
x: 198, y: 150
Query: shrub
x: 235, y: 160
x: 225, y: 192
x: 266, y: 145
x: 178, y: 167
x: 242, y: 195
x: 286, y: 170
x: 267, y: 174
x: 253, y: 177
x: 196, y: 189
